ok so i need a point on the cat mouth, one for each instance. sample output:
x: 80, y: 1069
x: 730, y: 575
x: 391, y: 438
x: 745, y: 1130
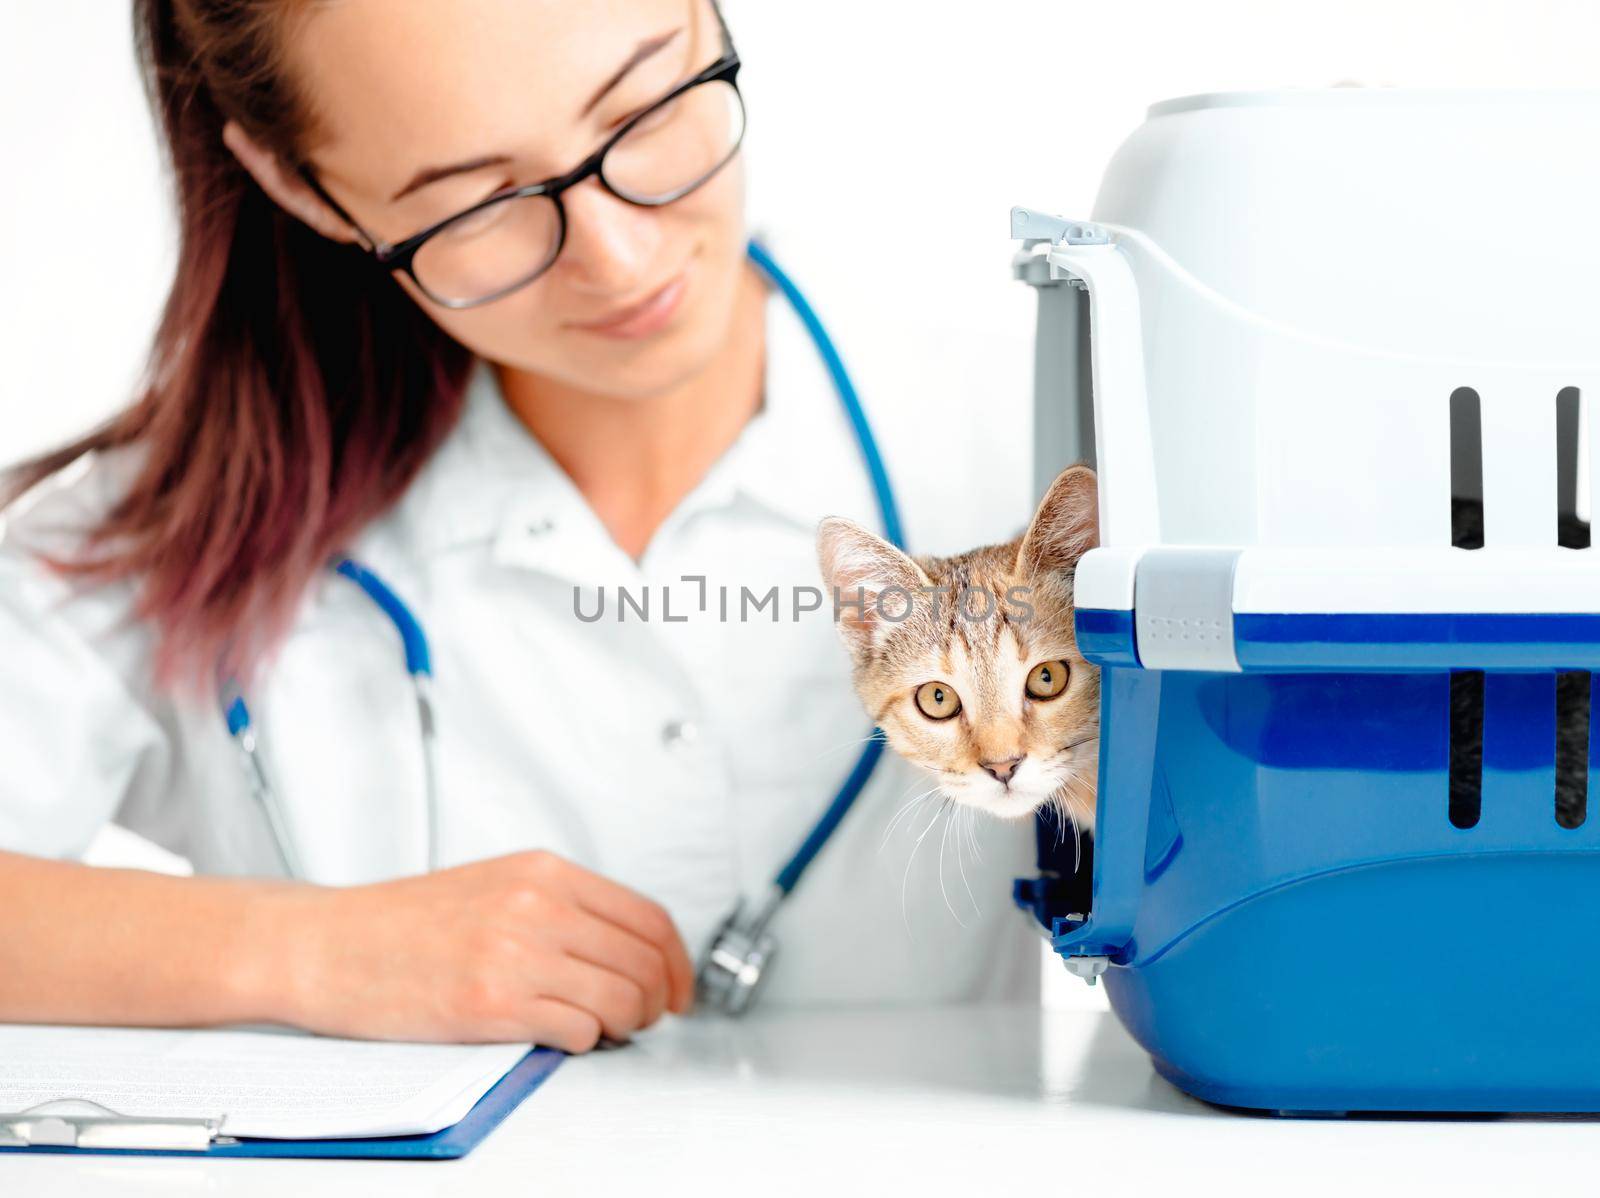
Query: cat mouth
x: 1009, y: 804
x: 1004, y: 800
x: 1019, y: 798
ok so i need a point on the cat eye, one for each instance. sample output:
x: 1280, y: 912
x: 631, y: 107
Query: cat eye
x: 1047, y: 679
x: 937, y: 701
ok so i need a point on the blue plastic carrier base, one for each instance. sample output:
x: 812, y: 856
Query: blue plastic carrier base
x: 1285, y: 1003
x: 446, y: 1144
x: 1288, y: 918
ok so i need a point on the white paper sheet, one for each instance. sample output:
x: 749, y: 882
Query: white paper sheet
x: 270, y: 1083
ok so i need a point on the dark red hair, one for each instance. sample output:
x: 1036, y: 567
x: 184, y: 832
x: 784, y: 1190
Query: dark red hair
x: 293, y: 390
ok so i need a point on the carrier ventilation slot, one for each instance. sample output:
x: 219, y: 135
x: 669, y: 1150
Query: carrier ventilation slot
x: 1572, y: 747
x: 1466, y: 532
x: 1573, y: 687
x: 1572, y: 469
x: 1466, y: 469
x: 1466, y: 747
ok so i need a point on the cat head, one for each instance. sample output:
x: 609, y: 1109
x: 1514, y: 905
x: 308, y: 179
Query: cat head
x: 969, y: 663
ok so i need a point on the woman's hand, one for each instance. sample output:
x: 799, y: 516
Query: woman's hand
x: 522, y: 947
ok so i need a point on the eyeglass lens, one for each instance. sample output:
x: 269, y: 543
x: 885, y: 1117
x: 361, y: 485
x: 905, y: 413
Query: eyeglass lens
x: 671, y: 151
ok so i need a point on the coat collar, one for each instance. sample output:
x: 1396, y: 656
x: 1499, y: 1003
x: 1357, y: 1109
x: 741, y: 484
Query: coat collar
x: 491, y: 483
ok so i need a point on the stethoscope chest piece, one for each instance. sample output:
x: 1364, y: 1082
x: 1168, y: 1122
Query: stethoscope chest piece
x: 738, y: 961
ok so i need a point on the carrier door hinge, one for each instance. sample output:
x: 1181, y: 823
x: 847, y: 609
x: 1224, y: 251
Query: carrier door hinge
x: 1038, y: 232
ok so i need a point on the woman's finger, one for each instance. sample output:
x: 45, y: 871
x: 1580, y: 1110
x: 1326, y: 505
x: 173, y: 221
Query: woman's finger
x: 556, y: 1024
x: 638, y: 915
x: 600, y: 942
x: 616, y: 1001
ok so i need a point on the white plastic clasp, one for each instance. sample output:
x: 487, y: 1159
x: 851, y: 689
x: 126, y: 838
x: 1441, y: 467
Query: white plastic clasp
x: 1031, y: 226
x: 1087, y: 968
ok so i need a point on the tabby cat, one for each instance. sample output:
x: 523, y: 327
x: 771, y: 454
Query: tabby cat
x: 969, y: 663
x: 993, y: 698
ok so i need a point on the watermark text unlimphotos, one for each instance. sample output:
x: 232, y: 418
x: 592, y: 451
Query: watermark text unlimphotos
x: 674, y: 604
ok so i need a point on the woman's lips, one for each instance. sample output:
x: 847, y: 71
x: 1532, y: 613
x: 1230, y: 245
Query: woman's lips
x: 649, y: 316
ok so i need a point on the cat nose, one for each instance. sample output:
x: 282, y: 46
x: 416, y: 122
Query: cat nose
x: 1001, y: 771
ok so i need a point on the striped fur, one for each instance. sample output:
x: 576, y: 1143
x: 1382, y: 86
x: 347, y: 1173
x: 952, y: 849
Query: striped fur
x: 978, y: 623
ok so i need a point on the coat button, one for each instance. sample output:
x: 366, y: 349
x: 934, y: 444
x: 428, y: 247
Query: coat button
x: 675, y: 733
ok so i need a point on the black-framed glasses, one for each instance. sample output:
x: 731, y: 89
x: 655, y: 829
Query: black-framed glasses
x: 504, y: 242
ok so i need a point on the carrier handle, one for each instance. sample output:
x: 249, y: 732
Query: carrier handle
x: 1130, y: 702
x: 1087, y: 254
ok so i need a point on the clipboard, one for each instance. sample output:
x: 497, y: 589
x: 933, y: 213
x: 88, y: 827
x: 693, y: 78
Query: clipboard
x: 203, y: 1138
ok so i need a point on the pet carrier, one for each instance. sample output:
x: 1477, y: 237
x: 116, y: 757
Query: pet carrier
x: 1329, y: 351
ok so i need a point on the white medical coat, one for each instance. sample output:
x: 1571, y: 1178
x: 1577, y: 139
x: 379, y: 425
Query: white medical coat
x: 684, y: 758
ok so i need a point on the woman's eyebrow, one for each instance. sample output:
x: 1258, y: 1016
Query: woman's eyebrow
x: 646, y: 48
x: 432, y: 174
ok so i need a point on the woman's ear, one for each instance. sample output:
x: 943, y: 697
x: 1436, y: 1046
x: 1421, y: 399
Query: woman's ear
x: 1066, y: 526
x: 871, y: 583
x: 285, y: 188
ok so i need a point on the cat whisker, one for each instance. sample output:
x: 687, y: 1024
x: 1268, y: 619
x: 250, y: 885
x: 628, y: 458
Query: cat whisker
x: 905, y: 810
x: 1064, y: 750
x: 944, y: 838
x: 965, y: 817
x: 1061, y: 801
x: 907, y: 805
x: 972, y: 836
x: 905, y: 879
x: 848, y: 744
x: 901, y: 797
x: 1074, y: 805
x: 1062, y: 816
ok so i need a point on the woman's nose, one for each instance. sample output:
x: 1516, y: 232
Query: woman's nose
x: 611, y: 245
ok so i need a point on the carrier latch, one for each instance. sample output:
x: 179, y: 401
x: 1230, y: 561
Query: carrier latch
x: 1033, y: 227
x: 1087, y: 968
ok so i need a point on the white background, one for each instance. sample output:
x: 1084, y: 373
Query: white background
x: 888, y: 141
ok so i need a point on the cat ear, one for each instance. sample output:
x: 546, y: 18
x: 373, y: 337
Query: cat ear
x: 858, y: 567
x: 1066, y: 526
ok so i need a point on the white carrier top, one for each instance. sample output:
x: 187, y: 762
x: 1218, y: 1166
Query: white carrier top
x: 1286, y: 290
x: 1456, y: 225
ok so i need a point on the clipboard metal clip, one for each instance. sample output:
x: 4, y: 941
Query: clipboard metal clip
x: 82, y: 1123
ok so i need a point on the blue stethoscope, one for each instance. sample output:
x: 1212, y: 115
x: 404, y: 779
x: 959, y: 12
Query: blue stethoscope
x: 741, y: 952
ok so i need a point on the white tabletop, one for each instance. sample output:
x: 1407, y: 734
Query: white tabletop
x: 951, y: 1100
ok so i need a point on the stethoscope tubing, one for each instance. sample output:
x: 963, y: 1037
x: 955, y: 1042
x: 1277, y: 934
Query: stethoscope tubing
x: 419, y: 666
x: 419, y: 659
x: 888, y: 512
